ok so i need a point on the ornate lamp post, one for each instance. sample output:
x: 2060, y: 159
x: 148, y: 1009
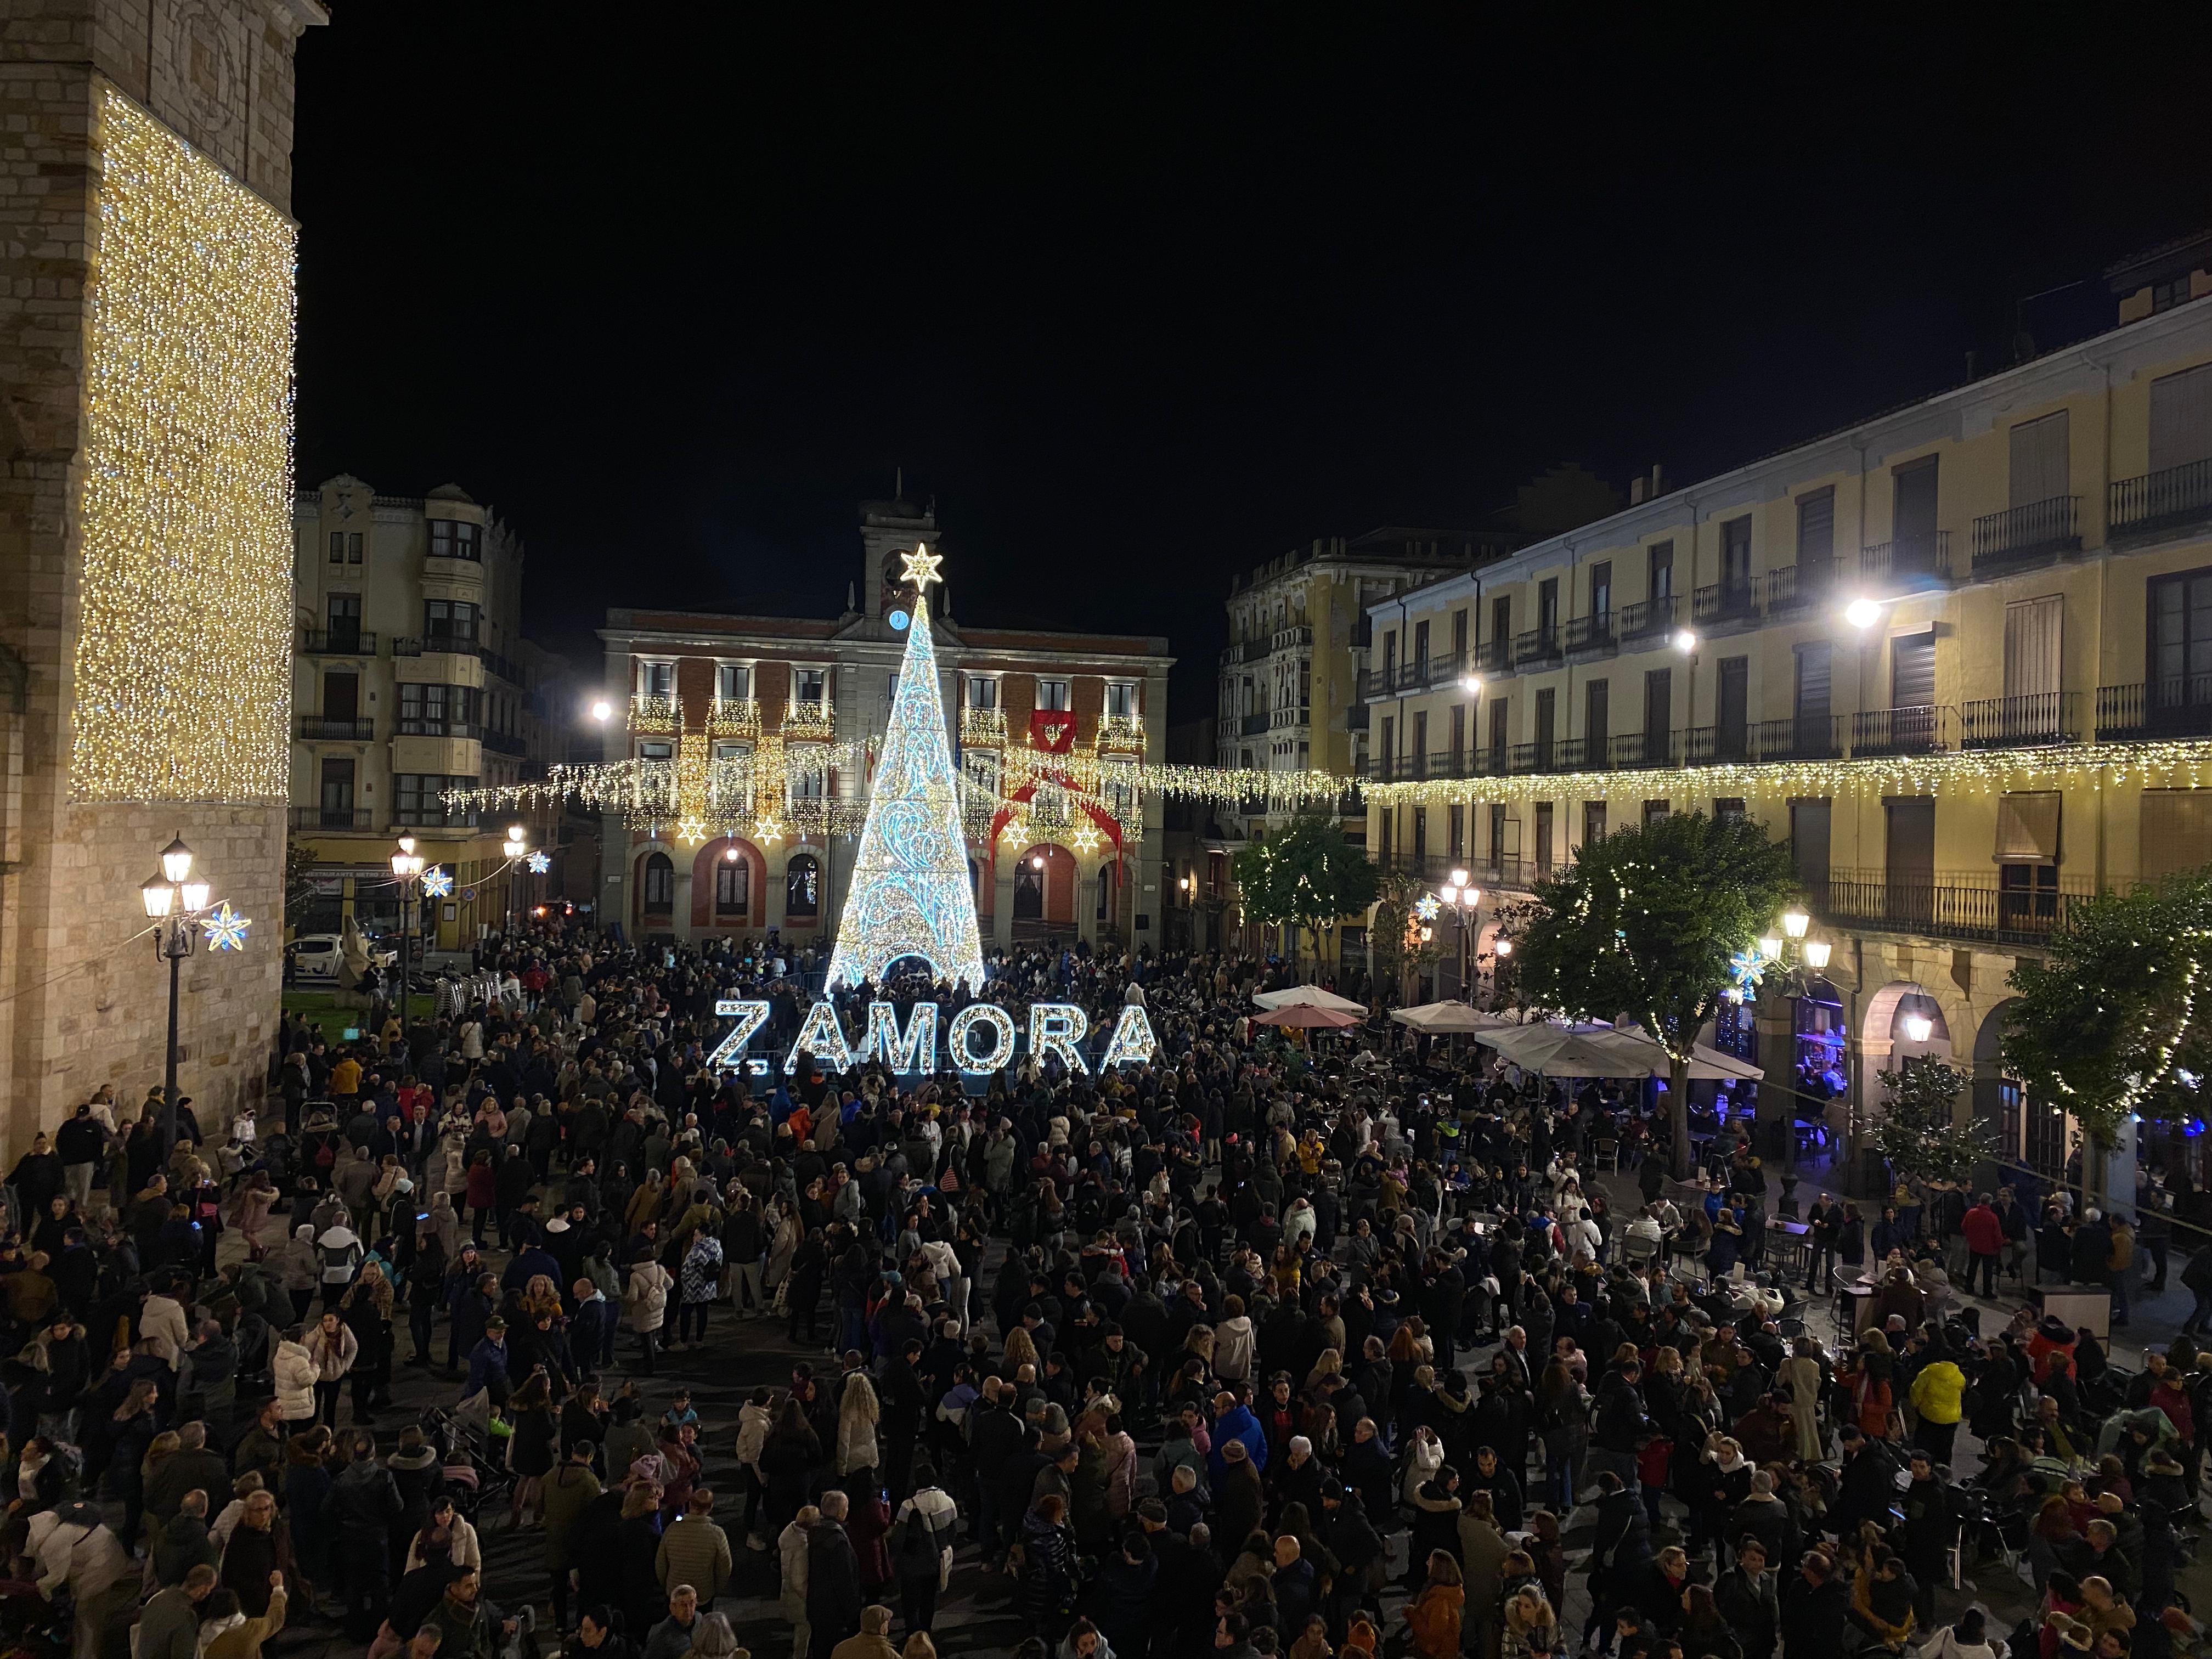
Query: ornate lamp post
x: 515, y: 848
x: 407, y: 869
x: 1459, y: 901
x: 174, y: 901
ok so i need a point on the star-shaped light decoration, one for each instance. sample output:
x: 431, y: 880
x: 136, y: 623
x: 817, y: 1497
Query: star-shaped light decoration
x: 1427, y: 906
x: 539, y: 863
x: 691, y: 831
x: 437, y: 882
x: 1749, y: 967
x: 225, y: 928
x: 921, y: 566
x: 1087, y: 838
x: 1016, y: 833
x: 768, y: 831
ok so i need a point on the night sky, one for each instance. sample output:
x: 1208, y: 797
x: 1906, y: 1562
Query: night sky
x: 1141, y: 307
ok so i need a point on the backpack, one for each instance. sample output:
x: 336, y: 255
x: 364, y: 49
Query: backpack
x: 918, y: 1554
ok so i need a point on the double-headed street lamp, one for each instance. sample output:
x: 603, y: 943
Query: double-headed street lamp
x: 175, y: 901
x: 1460, y: 900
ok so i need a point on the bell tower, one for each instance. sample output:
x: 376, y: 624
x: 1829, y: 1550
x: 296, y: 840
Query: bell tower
x: 890, y: 531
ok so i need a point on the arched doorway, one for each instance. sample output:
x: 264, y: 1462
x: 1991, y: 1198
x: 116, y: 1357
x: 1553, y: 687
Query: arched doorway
x: 2033, y: 1132
x: 656, y: 891
x: 1044, y: 885
x: 729, y: 882
x: 802, y: 889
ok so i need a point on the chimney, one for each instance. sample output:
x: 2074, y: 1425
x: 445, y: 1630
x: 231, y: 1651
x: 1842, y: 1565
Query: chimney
x: 1658, y: 483
x: 1636, y: 490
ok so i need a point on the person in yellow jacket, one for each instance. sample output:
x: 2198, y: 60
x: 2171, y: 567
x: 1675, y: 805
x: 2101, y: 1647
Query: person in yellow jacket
x: 1938, y: 1389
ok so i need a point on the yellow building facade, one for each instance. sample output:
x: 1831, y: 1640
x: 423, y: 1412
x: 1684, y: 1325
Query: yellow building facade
x: 1961, y: 654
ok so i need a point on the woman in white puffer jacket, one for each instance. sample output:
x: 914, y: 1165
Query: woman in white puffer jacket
x: 294, y: 1371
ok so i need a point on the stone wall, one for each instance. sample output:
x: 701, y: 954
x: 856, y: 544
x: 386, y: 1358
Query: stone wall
x: 82, y: 996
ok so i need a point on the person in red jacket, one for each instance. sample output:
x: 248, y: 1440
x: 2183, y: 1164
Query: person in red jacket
x: 1984, y: 1231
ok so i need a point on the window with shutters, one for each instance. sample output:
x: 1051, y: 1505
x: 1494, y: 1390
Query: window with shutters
x: 1501, y: 623
x: 1597, y: 731
x: 1421, y: 649
x: 1593, y: 822
x: 1459, y: 634
x: 1912, y: 671
x: 1544, y: 837
x: 1735, y: 554
x: 2180, y: 676
x: 1912, y: 517
x: 1816, y: 528
x: 2181, y: 418
x: 1458, y: 735
x: 1420, y: 833
x: 1499, y: 731
x: 1420, y: 740
x: 1732, y: 712
x: 1456, y: 831
x: 1658, y: 714
x: 1601, y: 588
x: 1546, y: 705
x: 2033, y: 708
x: 2039, y: 461
x: 1809, y: 822
x: 2028, y: 861
x: 1655, y: 811
x: 2177, y: 831
x: 1660, y: 570
x: 733, y: 887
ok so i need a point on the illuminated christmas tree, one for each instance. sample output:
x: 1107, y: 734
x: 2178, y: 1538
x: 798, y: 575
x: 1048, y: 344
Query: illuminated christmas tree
x: 910, y: 895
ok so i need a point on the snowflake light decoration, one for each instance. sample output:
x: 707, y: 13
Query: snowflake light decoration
x: 1746, y: 967
x: 225, y: 928
x: 1087, y: 838
x: 768, y: 831
x: 691, y: 831
x: 437, y: 883
x: 539, y: 863
x: 1016, y: 833
x: 1426, y: 907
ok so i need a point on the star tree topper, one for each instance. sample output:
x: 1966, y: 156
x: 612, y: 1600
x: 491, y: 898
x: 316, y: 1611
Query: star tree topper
x: 921, y: 567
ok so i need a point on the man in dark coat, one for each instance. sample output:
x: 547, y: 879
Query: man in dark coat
x: 1816, y: 1609
x: 833, y: 1579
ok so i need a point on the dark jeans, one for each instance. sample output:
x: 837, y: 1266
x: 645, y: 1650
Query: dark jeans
x: 691, y: 1322
x: 419, y: 1325
x: 326, y: 1406
x: 364, y: 1586
x: 2200, y: 1317
x: 1986, y: 1266
x: 918, y: 1602
x: 647, y: 1341
x: 1935, y: 1438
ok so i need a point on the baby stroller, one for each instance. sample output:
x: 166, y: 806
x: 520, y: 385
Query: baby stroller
x: 473, y: 1459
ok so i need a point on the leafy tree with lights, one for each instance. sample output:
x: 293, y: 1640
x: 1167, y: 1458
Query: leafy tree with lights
x: 1401, y: 941
x: 1305, y: 877
x: 2106, y: 1025
x: 1920, y: 1129
x: 1652, y: 921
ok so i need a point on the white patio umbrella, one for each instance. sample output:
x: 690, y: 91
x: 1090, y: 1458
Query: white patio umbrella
x: 1566, y: 1051
x: 1440, y: 1019
x: 1312, y: 994
x: 1706, y: 1060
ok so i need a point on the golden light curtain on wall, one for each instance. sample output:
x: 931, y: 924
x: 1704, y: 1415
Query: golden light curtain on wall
x: 184, y: 652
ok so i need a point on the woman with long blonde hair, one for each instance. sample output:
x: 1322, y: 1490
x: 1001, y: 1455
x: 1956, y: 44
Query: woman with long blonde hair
x: 858, y: 1412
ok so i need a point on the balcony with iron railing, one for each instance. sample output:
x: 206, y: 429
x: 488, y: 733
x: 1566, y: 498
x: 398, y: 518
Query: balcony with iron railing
x: 1962, y: 905
x: 1491, y: 657
x: 1536, y: 645
x: 734, y: 717
x: 1590, y: 632
x: 2165, y: 500
x: 1807, y: 582
x: 1633, y: 750
x: 337, y: 641
x: 1718, y: 746
x: 1724, y: 602
x: 427, y: 725
x: 501, y: 743
x: 1920, y: 729
x: 322, y: 728
x: 1124, y: 734
x: 1908, y: 559
x: 2022, y: 535
x: 1648, y: 617
x: 810, y: 719
x: 1551, y: 755
x: 983, y: 728
x: 1514, y: 874
x: 333, y: 818
x: 2175, y: 706
x: 1798, y: 737
x: 406, y: 645
x: 2020, y: 721
x: 652, y: 714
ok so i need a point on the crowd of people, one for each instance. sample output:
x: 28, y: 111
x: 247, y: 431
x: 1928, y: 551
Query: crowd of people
x: 1262, y: 1348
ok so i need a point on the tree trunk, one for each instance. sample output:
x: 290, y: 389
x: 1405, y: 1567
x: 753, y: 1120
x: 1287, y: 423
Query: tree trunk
x: 1678, y: 1114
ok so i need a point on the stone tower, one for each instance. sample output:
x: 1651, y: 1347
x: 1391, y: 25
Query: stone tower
x: 146, y: 614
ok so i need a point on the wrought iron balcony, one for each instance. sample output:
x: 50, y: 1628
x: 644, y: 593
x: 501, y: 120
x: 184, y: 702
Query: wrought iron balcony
x: 653, y: 714
x: 1724, y: 602
x: 337, y: 641
x: 1807, y: 582
x: 1908, y: 559
x: 2018, y: 722
x: 1591, y: 633
x: 1641, y: 749
x: 1960, y: 906
x: 1536, y: 645
x: 1549, y: 755
x: 1708, y: 745
x: 1490, y: 658
x: 739, y: 717
x: 1923, y: 729
x: 1647, y: 618
x: 2022, y: 534
x: 2177, y: 707
x: 2160, y: 500
x: 500, y: 742
x: 333, y: 818
x: 322, y: 728
x: 810, y: 720
x: 406, y: 645
x: 1798, y: 737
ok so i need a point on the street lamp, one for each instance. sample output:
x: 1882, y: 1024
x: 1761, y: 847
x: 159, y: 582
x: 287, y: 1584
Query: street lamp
x: 173, y: 901
x: 407, y: 869
x: 602, y: 711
